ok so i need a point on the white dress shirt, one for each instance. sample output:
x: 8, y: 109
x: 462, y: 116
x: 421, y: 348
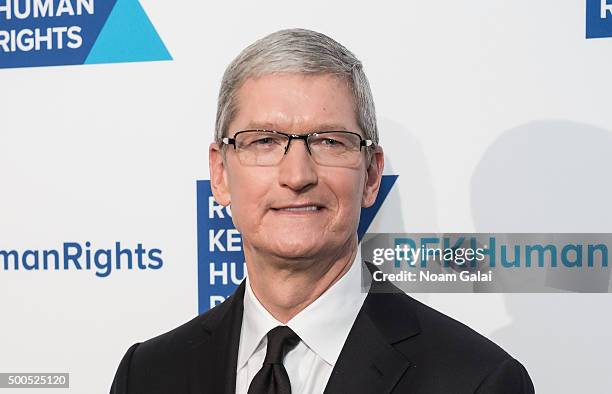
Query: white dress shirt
x: 322, y: 326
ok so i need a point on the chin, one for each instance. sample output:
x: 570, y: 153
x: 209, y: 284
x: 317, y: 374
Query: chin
x: 298, y: 247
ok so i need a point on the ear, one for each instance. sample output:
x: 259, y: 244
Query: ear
x: 218, y: 175
x: 373, y: 177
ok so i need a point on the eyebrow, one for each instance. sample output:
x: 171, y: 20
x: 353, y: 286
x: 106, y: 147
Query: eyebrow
x: 274, y: 126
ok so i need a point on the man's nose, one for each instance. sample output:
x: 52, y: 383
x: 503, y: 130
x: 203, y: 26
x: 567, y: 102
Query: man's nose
x: 297, y: 170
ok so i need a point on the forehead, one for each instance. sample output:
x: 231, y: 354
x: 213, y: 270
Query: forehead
x: 295, y: 102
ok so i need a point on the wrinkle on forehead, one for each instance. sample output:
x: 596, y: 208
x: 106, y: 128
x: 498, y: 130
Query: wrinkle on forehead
x: 296, y: 103
x: 280, y: 127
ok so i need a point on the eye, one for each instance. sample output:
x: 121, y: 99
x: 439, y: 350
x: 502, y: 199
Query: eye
x: 263, y: 141
x: 331, y: 142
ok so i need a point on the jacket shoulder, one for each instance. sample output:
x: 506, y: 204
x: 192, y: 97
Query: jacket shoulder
x: 401, y: 316
x: 160, y: 363
x: 452, y: 356
x: 453, y: 337
x: 183, y: 337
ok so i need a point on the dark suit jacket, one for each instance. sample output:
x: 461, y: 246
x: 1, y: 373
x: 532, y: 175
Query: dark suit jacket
x: 396, y: 345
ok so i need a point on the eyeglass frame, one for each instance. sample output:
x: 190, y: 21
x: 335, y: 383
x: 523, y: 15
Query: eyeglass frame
x: 363, y: 142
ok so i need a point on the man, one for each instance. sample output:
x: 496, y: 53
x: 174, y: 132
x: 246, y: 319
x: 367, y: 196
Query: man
x: 296, y: 154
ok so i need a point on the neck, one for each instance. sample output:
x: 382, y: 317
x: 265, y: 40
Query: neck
x: 286, y: 286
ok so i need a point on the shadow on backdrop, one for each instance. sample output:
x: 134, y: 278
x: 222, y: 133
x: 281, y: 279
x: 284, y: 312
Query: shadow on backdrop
x: 407, y: 210
x: 552, y: 176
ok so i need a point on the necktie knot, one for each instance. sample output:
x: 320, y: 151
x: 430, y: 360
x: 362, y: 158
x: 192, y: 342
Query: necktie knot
x: 272, y: 378
x: 281, y: 340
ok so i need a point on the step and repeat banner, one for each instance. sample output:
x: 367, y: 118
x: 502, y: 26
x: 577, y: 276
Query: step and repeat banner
x: 497, y: 135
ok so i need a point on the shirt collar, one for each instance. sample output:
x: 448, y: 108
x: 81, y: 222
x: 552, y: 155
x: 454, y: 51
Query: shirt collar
x: 336, y: 310
x: 256, y: 322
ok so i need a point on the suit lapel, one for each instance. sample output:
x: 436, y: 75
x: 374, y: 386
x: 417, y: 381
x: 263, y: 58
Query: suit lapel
x: 213, y: 369
x: 369, y: 361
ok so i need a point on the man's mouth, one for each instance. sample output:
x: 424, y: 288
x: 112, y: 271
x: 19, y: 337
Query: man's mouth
x: 300, y: 208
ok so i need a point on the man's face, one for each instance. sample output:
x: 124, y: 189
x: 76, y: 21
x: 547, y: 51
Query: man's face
x: 261, y: 197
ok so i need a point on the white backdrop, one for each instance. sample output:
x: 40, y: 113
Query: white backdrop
x: 473, y: 99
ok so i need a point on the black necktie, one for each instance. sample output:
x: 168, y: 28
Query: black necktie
x: 272, y: 378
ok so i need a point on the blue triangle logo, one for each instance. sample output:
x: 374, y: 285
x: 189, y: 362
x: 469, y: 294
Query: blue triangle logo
x: 128, y: 36
x: 368, y: 214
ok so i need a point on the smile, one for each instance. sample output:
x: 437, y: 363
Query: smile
x: 299, y: 209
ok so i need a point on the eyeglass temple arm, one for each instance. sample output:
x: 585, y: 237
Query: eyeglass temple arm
x: 229, y: 141
x: 365, y: 143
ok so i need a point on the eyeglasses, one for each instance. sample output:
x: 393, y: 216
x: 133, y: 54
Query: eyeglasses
x: 327, y: 148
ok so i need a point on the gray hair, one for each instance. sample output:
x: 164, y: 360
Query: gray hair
x: 299, y: 51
